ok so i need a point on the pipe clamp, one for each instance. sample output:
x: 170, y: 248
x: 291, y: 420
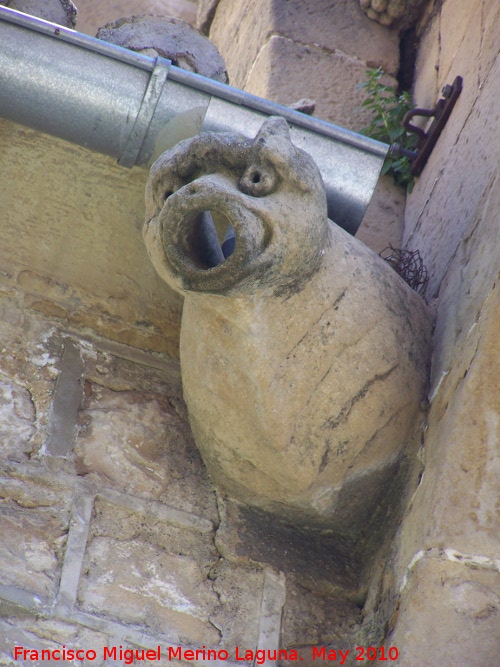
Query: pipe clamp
x: 146, y: 112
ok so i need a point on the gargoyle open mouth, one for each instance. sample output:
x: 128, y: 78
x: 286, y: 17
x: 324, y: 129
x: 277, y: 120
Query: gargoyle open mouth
x: 212, y: 240
x: 202, y: 241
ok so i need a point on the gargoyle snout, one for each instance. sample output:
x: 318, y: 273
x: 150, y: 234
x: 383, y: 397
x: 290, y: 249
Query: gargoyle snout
x: 207, y: 236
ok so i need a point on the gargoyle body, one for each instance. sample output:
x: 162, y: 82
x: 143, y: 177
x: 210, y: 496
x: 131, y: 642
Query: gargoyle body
x: 303, y: 354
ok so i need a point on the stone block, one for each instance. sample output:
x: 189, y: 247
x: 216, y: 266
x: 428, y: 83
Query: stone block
x: 241, y: 30
x: 31, y: 491
x: 240, y: 595
x: 92, y: 16
x: 447, y: 50
x: 458, y: 155
x: 468, y: 283
x: 464, y: 61
x: 131, y: 452
x: 49, y: 634
x: 168, y: 578
x: 456, y: 504
x: 150, y: 523
x: 138, y: 583
x: 17, y: 420
x: 426, y: 90
x: 490, y: 43
x: 123, y: 368
x: 454, y: 510
x: 340, y: 27
x: 449, y: 614
x: 30, y: 549
x: 286, y: 70
x: 461, y: 27
x: 139, y: 443
x: 29, y: 361
x: 205, y: 14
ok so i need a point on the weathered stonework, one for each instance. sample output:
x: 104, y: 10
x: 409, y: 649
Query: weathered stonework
x: 278, y: 73
x: 95, y: 288
x: 169, y: 38
x: 241, y: 30
x: 464, y: 595
x: 442, y: 580
x: 313, y: 352
x: 114, y: 542
x: 399, y: 13
x: 17, y: 418
x: 31, y: 563
x: 62, y: 12
x: 92, y: 15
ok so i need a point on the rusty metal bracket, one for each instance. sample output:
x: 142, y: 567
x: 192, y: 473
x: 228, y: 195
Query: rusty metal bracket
x: 427, y: 138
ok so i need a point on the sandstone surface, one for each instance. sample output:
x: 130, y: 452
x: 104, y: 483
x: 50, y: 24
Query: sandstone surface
x: 92, y: 15
x: 241, y: 31
x: 81, y: 265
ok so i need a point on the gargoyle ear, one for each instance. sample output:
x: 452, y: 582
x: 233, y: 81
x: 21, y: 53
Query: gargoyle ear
x: 274, y: 129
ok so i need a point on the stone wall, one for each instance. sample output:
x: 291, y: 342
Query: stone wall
x: 112, y: 534
x: 108, y: 519
x: 446, y: 570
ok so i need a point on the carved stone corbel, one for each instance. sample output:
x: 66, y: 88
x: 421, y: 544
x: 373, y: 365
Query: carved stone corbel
x: 304, y: 355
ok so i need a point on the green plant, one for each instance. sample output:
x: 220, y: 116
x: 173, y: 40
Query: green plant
x: 388, y: 109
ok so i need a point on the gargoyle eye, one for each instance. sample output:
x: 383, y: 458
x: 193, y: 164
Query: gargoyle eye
x: 167, y: 194
x: 258, y: 181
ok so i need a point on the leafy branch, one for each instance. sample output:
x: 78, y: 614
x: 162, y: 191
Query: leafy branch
x: 388, y: 110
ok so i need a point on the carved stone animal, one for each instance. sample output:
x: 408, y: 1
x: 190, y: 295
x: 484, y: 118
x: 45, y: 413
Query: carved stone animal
x: 398, y: 13
x: 303, y: 354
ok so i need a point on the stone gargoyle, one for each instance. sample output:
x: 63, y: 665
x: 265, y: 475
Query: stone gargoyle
x: 303, y: 354
x: 394, y: 13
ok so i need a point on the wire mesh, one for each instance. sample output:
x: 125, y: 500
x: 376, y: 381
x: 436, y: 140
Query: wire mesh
x: 409, y: 265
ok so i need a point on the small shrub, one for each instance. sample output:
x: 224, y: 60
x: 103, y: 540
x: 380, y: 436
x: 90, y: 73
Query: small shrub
x: 388, y: 109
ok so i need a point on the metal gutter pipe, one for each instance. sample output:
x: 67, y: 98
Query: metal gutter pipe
x: 133, y: 107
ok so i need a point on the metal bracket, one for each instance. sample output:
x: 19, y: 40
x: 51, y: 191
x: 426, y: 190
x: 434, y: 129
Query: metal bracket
x: 441, y: 112
x: 148, y: 107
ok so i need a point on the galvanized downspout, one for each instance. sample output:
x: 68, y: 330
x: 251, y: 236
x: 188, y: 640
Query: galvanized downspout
x: 133, y: 107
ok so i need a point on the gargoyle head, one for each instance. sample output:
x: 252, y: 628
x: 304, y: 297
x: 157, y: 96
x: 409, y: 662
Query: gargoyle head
x: 225, y: 214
